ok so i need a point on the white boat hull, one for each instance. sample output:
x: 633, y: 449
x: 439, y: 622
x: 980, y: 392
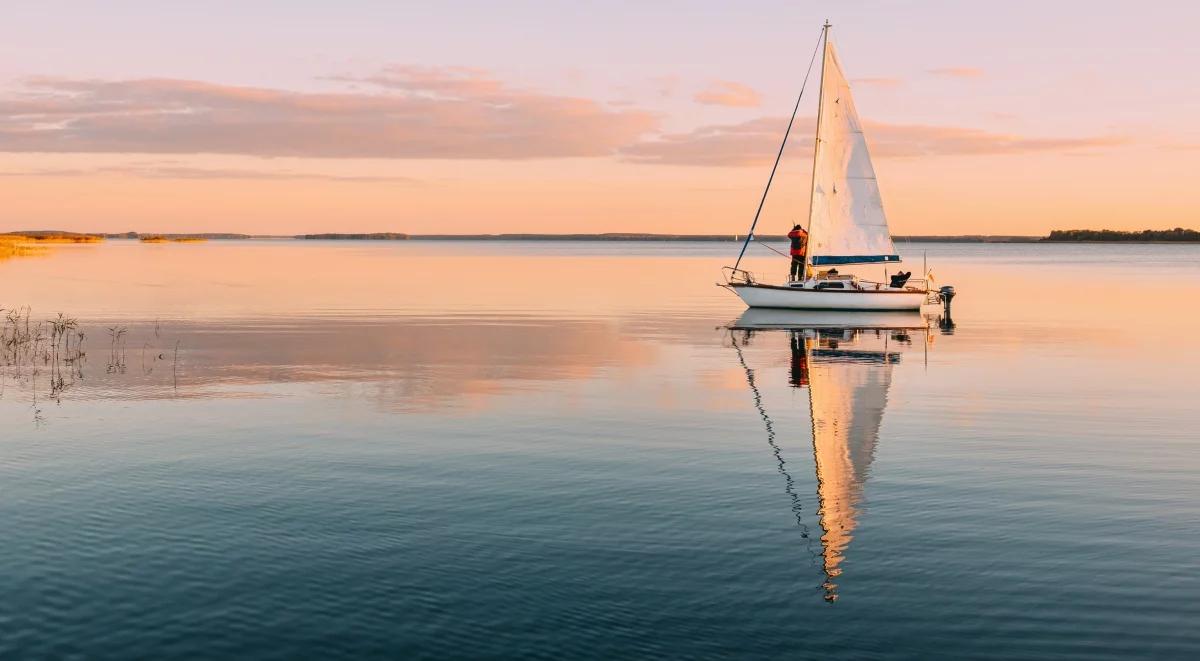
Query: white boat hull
x: 796, y: 298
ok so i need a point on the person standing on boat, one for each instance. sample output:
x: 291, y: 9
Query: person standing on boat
x: 799, y: 239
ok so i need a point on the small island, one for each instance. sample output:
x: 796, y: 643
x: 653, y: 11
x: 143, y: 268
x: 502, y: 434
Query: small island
x: 1178, y: 234
x: 375, y: 236
x: 161, y: 238
x: 21, y: 244
x: 171, y: 238
x: 51, y: 236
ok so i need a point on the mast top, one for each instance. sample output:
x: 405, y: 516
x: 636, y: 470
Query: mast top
x: 828, y: 24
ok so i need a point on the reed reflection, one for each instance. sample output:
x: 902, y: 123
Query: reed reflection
x: 406, y: 364
x: 845, y: 362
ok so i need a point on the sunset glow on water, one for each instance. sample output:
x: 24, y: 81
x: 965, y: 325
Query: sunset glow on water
x: 477, y: 448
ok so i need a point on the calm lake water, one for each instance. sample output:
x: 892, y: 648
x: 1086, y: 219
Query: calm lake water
x: 434, y: 450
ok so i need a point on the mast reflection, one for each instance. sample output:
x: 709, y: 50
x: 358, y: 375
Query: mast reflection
x: 845, y: 361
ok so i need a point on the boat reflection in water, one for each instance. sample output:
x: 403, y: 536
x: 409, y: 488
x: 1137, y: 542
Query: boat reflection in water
x: 845, y: 361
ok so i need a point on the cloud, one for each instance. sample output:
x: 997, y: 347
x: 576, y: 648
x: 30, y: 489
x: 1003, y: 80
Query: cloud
x: 957, y: 72
x: 756, y: 141
x: 665, y: 85
x: 728, y: 93
x: 878, y: 82
x: 906, y: 140
x: 747, y: 143
x: 169, y: 171
x: 408, y: 113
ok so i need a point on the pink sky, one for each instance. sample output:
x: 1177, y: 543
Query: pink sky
x: 461, y: 117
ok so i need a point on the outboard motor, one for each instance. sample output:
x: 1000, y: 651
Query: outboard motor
x: 946, y: 294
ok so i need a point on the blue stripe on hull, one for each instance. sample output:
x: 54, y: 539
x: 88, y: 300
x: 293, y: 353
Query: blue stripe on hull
x: 853, y: 259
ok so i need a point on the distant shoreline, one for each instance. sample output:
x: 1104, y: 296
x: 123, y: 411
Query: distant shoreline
x: 1057, y: 236
x: 721, y: 238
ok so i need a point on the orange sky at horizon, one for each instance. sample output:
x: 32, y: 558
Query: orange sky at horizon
x: 995, y: 194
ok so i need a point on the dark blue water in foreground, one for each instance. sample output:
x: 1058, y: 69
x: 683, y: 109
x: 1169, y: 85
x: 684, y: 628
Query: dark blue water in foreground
x: 565, y: 465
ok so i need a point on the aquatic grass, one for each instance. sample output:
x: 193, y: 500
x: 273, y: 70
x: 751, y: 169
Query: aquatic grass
x: 29, y: 350
x: 17, y: 246
x: 62, y: 329
x: 116, y: 350
x: 24, y: 342
x: 19, y: 338
x: 24, y: 244
x: 51, y: 237
x: 48, y: 356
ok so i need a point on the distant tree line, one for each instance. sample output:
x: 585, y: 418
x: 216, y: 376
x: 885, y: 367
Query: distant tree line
x: 1177, y: 234
x: 150, y: 238
x: 374, y: 236
x: 53, y: 236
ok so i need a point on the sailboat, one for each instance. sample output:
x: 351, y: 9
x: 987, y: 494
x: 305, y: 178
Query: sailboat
x: 846, y: 221
x: 846, y: 365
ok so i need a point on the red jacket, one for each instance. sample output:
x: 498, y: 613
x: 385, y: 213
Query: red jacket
x: 799, y: 242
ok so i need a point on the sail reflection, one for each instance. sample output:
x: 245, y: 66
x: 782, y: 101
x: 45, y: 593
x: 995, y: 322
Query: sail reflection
x: 845, y: 361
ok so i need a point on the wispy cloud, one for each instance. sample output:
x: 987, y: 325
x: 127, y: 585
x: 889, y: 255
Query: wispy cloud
x: 878, y: 82
x: 170, y: 171
x: 665, y: 85
x: 745, y: 143
x: 407, y: 113
x: 754, y: 142
x: 728, y: 93
x: 957, y: 72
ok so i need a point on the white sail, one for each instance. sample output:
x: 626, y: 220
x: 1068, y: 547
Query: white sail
x: 846, y: 224
x: 848, y: 395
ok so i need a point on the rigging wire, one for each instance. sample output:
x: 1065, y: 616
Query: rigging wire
x: 771, y: 248
x: 779, y: 155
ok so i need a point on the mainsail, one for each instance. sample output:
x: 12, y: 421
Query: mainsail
x: 846, y: 220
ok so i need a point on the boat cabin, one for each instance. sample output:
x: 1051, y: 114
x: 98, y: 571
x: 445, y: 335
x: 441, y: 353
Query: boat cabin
x: 834, y: 281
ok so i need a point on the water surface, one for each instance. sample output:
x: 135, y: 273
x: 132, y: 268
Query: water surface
x: 469, y: 449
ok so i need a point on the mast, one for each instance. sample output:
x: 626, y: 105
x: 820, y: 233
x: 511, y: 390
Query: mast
x: 812, y: 192
x: 779, y: 155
